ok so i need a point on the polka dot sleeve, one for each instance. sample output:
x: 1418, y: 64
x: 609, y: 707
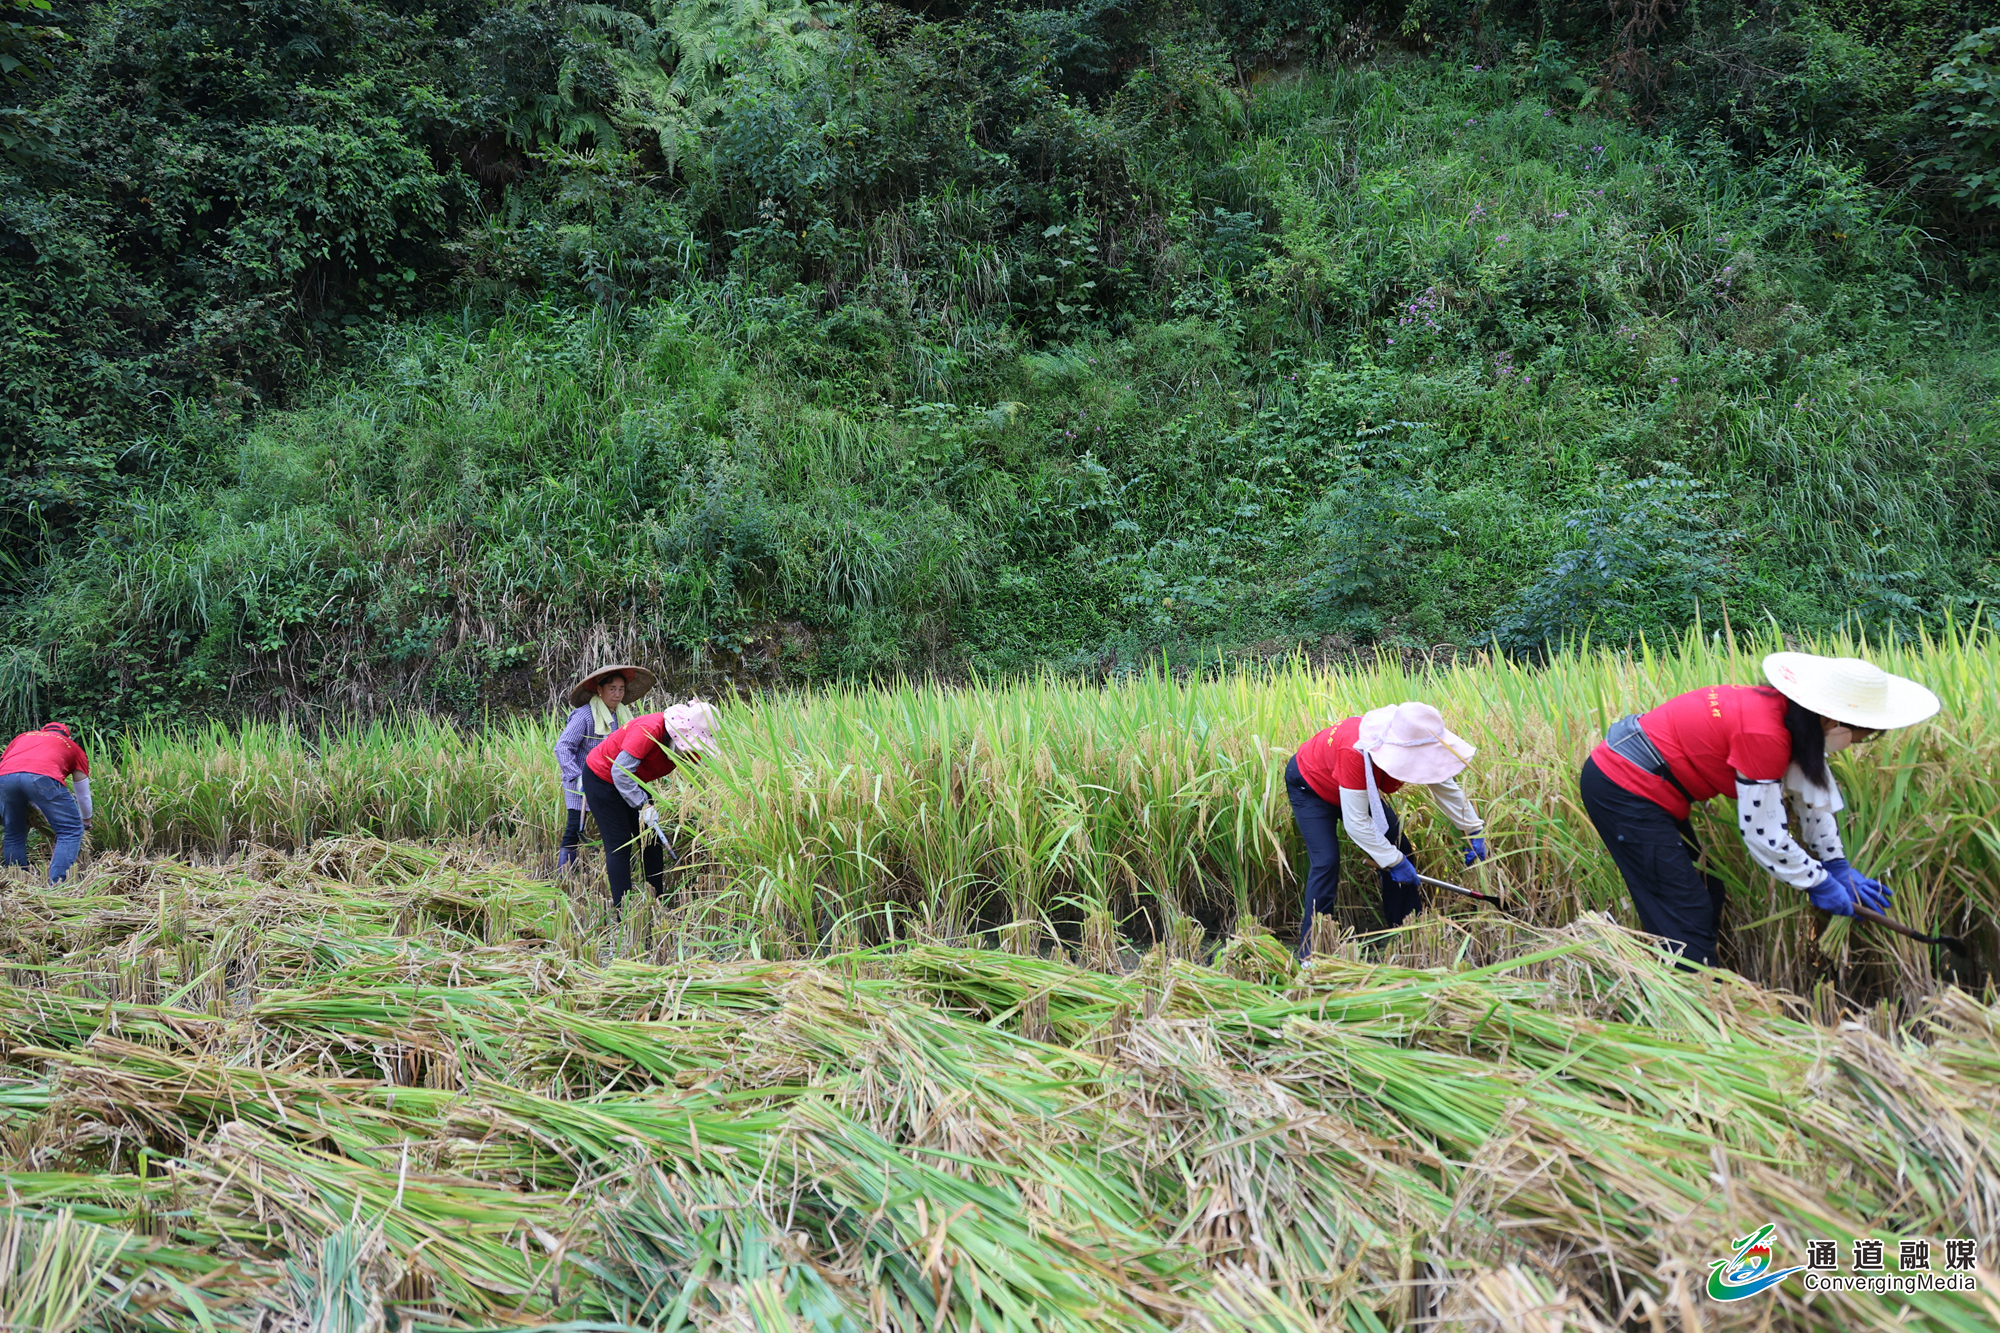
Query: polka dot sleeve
x: 1767, y: 831
x: 1815, y: 804
x: 1820, y: 835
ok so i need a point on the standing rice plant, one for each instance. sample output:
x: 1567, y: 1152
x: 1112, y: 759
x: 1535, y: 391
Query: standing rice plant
x: 870, y: 812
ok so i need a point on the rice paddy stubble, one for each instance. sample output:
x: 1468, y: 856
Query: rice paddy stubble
x: 498, y: 1127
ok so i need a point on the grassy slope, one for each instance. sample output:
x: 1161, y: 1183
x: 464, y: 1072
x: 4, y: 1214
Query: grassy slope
x: 1442, y: 362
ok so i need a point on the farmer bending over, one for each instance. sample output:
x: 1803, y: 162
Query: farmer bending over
x: 33, y: 769
x: 640, y: 751
x: 1340, y: 777
x: 598, y: 708
x: 1767, y: 745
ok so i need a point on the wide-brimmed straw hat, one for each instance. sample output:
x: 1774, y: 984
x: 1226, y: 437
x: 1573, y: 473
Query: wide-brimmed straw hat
x: 1408, y: 741
x: 638, y: 681
x: 1850, y: 690
x: 691, y: 726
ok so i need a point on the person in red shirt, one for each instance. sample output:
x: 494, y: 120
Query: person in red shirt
x: 38, y: 769
x: 1768, y: 745
x: 598, y: 707
x: 643, y: 750
x: 1340, y: 777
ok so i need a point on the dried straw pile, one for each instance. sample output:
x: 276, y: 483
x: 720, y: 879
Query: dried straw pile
x: 376, y: 1085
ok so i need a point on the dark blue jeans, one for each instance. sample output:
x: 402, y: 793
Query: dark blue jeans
x: 572, y: 838
x: 1319, y: 824
x: 18, y: 791
x: 1657, y: 855
x: 618, y: 825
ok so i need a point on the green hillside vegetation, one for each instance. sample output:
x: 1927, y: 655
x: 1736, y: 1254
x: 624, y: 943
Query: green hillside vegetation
x: 385, y: 355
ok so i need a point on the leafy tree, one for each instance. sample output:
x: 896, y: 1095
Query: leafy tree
x: 1648, y: 552
x: 27, y: 51
x: 26, y: 41
x: 407, y: 335
x: 1964, y: 97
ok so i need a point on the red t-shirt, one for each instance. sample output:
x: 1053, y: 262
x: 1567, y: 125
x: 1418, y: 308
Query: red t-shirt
x: 49, y: 753
x: 1329, y: 762
x: 645, y: 739
x: 1707, y: 737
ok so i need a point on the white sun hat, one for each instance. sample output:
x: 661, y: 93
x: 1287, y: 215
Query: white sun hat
x: 691, y: 726
x: 1850, y: 690
x: 1408, y: 741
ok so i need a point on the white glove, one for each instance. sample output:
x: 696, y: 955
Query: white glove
x: 650, y: 818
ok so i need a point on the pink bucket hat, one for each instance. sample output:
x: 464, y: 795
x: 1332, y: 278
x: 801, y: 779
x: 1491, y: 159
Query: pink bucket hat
x: 691, y: 726
x: 1409, y: 743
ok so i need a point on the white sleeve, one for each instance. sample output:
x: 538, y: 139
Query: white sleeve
x: 81, y: 786
x: 1815, y: 806
x: 1361, y: 827
x: 628, y: 785
x: 1457, y: 807
x: 1760, y: 814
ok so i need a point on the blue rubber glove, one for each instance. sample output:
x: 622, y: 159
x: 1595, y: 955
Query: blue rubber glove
x: 1869, y: 893
x: 1832, y: 895
x: 1476, y: 852
x: 1403, y: 872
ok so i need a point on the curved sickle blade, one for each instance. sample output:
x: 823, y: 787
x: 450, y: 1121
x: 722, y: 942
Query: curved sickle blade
x: 1952, y: 942
x: 1459, y: 888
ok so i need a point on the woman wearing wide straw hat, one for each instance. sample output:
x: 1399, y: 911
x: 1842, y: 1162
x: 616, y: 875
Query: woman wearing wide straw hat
x: 598, y: 709
x: 645, y: 749
x: 1340, y: 777
x: 1768, y: 744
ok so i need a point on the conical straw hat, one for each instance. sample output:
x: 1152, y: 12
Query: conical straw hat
x: 638, y: 681
x: 1850, y: 690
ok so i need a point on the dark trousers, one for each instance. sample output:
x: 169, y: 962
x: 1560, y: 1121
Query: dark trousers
x: 1319, y: 824
x: 572, y: 838
x: 618, y: 824
x: 1657, y: 855
x: 19, y: 791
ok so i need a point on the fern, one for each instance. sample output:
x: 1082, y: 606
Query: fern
x: 670, y: 74
x: 716, y: 38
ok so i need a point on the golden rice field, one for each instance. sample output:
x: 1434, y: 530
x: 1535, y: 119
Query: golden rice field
x: 965, y: 1011
x: 1152, y: 811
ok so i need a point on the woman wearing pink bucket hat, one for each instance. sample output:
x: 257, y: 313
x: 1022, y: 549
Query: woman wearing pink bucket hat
x: 1340, y: 777
x: 1766, y: 743
x: 645, y: 749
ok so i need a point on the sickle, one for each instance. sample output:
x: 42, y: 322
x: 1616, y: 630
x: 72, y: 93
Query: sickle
x: 1459, y: 888
x: 1952, y: 942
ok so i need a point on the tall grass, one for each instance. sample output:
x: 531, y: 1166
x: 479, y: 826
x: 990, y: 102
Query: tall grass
x: 1149, y: 809
x: 924, y: 473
